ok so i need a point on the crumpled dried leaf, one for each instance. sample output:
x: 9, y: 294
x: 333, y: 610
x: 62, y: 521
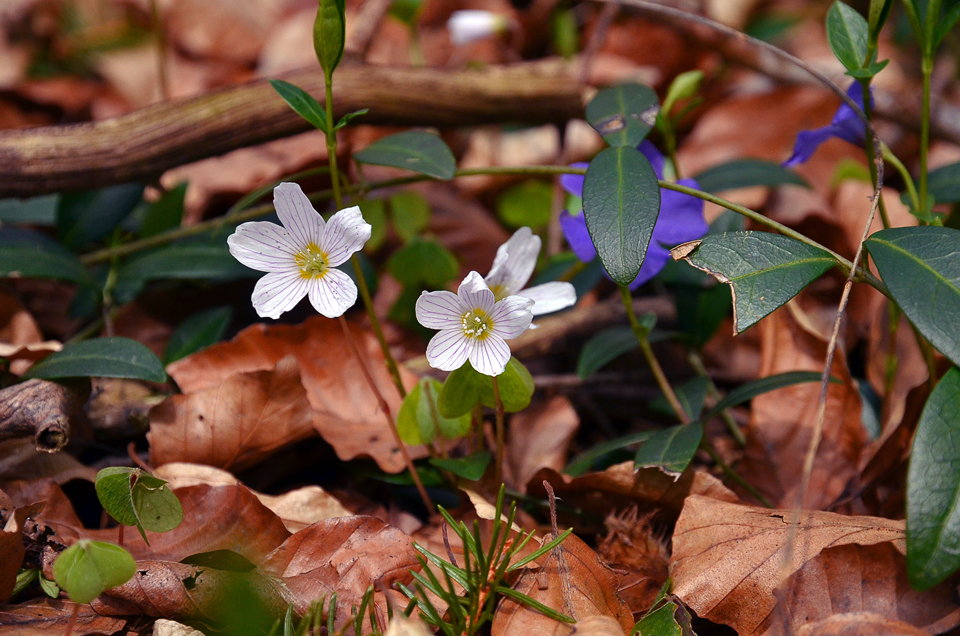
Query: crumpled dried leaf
x: 164, y: 627
x: 573, y: 581
x: 859, y: 624
x: 540, y: 437
x: 237, y: 423
x: 11, y: 550
x: 345, y: 411
x: 639, y: 558
x: 49, y: 617
x: 20, y: 459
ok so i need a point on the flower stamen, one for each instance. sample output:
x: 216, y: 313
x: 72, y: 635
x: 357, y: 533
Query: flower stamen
x: 313, y: 263
x: 476, y: 324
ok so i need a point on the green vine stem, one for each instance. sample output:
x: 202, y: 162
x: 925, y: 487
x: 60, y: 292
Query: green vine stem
x: 892, y: 159
x: 697, y: 363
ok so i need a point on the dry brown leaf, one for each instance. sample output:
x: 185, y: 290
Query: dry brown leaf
x: 164, y: 627
x: 49, y: 617
x: 859, y: 624
x: 639, y: 558
x: 572, y: 581
x: 727, y: 557
x: 11, y: 551
x: 540, y: 438
x: 236, y: 424
x: 400, y: 625
x: 345, y: 411
x: 20, y: 459
x: 599, y: 626
x: 782, y: 421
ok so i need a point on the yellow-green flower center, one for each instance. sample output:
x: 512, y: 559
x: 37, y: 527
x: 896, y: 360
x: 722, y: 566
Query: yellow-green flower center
x: 476, y: 324
x: 312, y: 262
x: 497, y: 292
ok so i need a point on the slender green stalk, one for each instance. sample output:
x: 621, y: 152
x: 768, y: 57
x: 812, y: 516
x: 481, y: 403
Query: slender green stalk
x: 868, y: 145
x: 498, y: 410
x: 892, y: 159
x: 641, y: 333
x: 927, y: 71
x: 697, y: 363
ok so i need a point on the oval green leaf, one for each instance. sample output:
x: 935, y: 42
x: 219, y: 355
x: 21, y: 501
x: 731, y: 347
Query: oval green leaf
x: 87, y: 568
x: 604, y: 348
x: 329, y: 34
x: 185, y: 262
x: 750, y: 390
x: 113, y: 357
x: 660, y: 622
x: 623, y: 114
x: 670, y: 450
x: 465, y: 387
x: 933, y: 488
x: 196, y: 332
x: 621, y: 202
x: 166, y: 213
x: 419, y: 420
x: 423, y: 262
x: 764, y: 270
x: 470, y: 467
x: 135, y: 498
x: 847, y: 33
x: 528, y: 203
x: 414, y: 150
x: 920, y: 268
x: 745, y: 173
x: 944, y: 183
x: 302, y: 102
x: 85, y: 217
x: 41, y: 260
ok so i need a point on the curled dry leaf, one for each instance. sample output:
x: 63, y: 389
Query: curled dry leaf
x: 727, y: 559
x: 572, y: 581
x: 345, y: 411
x: 859, y: 624
x: 599, y: 626
x: 49, y: 617
x: 639, y: 558
x: 540, y: 438
x: 20, y: 460
x: 11, y: 548
x: 239, y: 422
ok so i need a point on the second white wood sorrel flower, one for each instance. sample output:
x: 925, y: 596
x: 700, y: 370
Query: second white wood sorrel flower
x: 512, y: 268
x: 473, y: 325
x: 300, y: 257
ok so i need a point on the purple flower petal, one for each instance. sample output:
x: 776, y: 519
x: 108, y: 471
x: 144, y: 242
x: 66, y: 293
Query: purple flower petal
x: 653, y: 156
x: 845, y: 125
x: 681, y: 216
x: 575, y: 229
x: 655, y: 260
x: 573, y: 183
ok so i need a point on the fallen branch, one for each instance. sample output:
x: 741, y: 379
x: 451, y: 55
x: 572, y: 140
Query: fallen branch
x: 43, y: 410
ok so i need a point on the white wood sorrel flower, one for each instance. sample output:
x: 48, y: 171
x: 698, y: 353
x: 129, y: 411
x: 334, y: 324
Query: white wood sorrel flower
x: 473, y: 325
x: 300, y: 257
x: 512, y: 268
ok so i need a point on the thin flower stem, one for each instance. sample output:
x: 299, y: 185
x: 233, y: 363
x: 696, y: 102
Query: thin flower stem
x: 387, y: 415
x: 498, y: 411
x: 641, y: 333
x: 732, y: 474
x: 892, y: 159
x: 868, y: 145
x: 927, y: 71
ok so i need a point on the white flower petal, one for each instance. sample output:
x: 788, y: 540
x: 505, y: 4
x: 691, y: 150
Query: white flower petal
x: 511, y: 317
x: 346, y: 232
x: 550, y: 297
x: 440, y: 310
x: 490, y: 356
x: 474, y: 293
x: 332, y: 294
x: 278, y: 292
x: 297, y: 214
x: 514, y: 263
x: 470, y: 25
x: 263, y: 246
x: 448, y: 350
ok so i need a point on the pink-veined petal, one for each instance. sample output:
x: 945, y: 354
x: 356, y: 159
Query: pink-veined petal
x: 278, y: 292
x: 474, y: 293
x: 332, y: 294
x: 263, y: 246
x: 550, y: 297
x: 346, y: 232
x: 511, y: 316
x: 448, y: 350
x: 440, y: 310
x: 490, y: 355
x: 297, y: 214
x: 514, y: 263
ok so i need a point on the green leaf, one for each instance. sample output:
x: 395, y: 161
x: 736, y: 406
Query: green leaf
x: 877, y: 16
x: 302, y: 102
x: 944, y: 183
x: 470, y: 467
x: 87, y: 568
x: 414, y: 150
x: 933, y: 488
x: 847, y: 33
x: 41, y: 260
x: 419, y: 420
x: 919, y: 266
x: 764, y: 270
x: 349, y: 117
x: 86, y: 217
x: 621, y: 202
x: 700, y: 312
x: 585, y: 461
x: 692, y: 394
x: 374, y: 212
x: 660, y: 622
x: 113, y: 357
x: 50, y: 588
x: 623, y: 114
x: 166, y: 213
x: 684, y: 86
x: 528, y: 203
x: 745, y: 173
x: 465, y: 387
x: 423, y: 262
x: 410, y: 212
x: 605, y: 347
x: 135, y: 498
x: 329, y: 35
x: 189, y: 261
x: 40, y: 210
x: 750, y: 390
x: 196, y: 332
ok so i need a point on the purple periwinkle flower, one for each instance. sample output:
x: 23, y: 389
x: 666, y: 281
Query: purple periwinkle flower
x: 846, y: 125
x: 681, y: 220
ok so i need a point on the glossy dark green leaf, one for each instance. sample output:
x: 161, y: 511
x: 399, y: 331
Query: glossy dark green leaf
x: 196, y: 332
x: 660, y: 622
x: 40, y: 210
x: 414, y: 150
x: 670, y: 450
x: 933, y: 488
x: 113, y: 357
x: 466, y: 387
x: 41, y: 259
x: 349, y: 117
x: 329, y: 34
x: 944, y: 183
x: 700, y: 312
x: 621, y: 202
x: 750, y: 390
x: 604, y: 348
x: 419, y: 420
x: 302, y: 102
x: 586, y: 460
x: 186, y: 262
x: 623, y: 114
x: 692, y: 395
x: 87, y: 568
x: 528, y: 203
x: 423, y: 262
x: 166, y: 213
x: 847, y: 33
x: 86, y: 217
x: 410, y: 212
x: 764, y: 270
x: 135, y: 498
x: 744, y: 173
x: 919, y: 266
x: 470, y: 467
